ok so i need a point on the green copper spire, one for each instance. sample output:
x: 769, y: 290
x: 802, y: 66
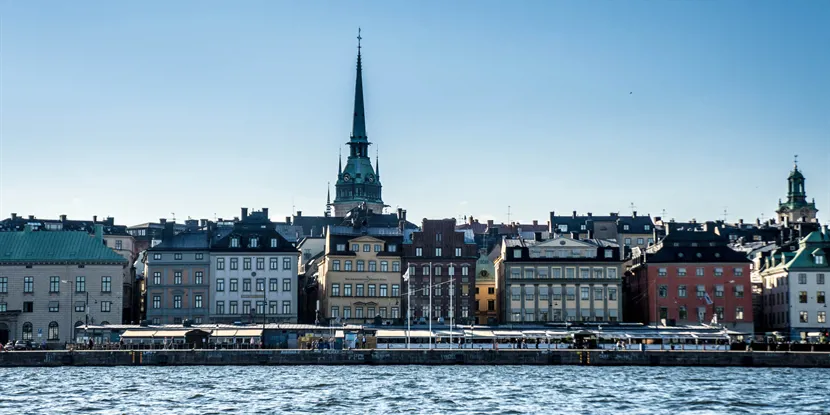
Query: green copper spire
x: 359, y: 122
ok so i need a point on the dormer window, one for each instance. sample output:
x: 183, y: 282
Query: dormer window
x: 273, y: 242
x: 563, y: 228
x: 582, y: 227
x: 609, y: 253
x: 517, y: 253
x: 355, y: 247
x: 646, y: 228
x: 234, y: 242
x: 819, y: 259
x: 625, y: 227
x: 341, y: 247
x: 253, y: 243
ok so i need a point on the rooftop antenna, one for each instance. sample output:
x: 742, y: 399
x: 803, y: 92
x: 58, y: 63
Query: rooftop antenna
x: 725, y: 213
x: 173, y: 215
x: 632, y: 207
x: 214, y: 216
x: 795, y: 161
x: 664, y: 213
x: 508, y: 214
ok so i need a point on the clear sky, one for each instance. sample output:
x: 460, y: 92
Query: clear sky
x: 143, y: 109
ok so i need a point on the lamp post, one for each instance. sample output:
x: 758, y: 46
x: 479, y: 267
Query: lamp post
x: 451, y: 271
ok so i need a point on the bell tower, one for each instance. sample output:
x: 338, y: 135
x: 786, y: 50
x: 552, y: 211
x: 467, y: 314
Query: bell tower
x: 796, y: 208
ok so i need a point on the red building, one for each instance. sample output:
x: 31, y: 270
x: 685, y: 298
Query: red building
x: 689, y: 277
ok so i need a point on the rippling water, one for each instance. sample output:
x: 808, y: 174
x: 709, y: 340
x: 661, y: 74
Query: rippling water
x: 413, y: 389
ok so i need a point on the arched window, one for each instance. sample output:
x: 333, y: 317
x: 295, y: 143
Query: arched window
x: 54, y: 333
x: 27, y: 331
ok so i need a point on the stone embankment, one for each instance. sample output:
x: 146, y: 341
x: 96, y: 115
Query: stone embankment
x: 413, y: 357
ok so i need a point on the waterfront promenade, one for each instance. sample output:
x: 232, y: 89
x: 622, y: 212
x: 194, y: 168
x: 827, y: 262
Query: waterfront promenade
x: 414, y: 357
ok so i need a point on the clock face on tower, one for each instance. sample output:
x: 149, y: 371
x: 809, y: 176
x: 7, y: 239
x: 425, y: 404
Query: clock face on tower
x: 370, y: 178
x: 347, y: 177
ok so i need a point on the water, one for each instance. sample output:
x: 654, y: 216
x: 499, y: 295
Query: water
x: 413, y: 389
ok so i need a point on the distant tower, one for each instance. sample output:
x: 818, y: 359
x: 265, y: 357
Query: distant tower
x: 358, y: 182
x: 796, y: 208
x: 328, y: 199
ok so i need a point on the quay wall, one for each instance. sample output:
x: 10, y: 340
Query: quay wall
x: 412, y: 357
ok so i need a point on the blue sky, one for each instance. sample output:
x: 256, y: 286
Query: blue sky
x: 142, y: 109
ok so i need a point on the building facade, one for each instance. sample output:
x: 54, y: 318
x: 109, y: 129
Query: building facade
x: 486, y: 301
x: 440, y: 255
x: 691, y: 276
x: 560, y: 279
x: 360, y: 278
x: 628, y: 231
x: 52, y: 282
x: 254, y: 271
x: 795, y: 288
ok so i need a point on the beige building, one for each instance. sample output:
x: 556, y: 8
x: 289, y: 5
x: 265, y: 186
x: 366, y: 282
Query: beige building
x: 486, y: 299
x: 360, y: 279
x: 53, y: 281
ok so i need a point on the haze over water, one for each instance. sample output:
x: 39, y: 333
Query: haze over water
x: 414, y: 389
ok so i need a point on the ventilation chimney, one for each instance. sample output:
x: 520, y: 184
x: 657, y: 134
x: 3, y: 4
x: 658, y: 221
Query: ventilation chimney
x: 63, y: 218
x: 14, y: 216
x: 299, y: 213
x: 288, y: 220
x: 265, y: 212
x: 535, y: 223
x: 244, y: 213
x: 634, y: 213
x: 95, y: 218
x: 400, y: 213
x: 590, y: 214
x: 574, y: 215
x: 490, y: 223
x: 31, y: 217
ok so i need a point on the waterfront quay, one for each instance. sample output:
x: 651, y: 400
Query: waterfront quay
x: 585, y: 357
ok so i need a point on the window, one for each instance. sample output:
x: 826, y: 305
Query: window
x: 373, y: 291
x: 260, y: 307
x: 384, y: 266
x: 177, y: 256
x: 438, y: 252
x: 395, y: 312
x: 609, y: 253
x: 246, y: 307
x: 341, y: 247
x: 54, y: 306
x: 80, y: 284
x: 647, y: 228
x: 598, y: 294
x: 425, y: 270
x: 457, y: 252
x: 802, y: 317
x: 273, y: 285
x: 585, y: 293
x: 358, y: 312
x: 286, y: 285
x: 234, y: 242
x: 220, y: 284
x: 54, y: 284
x: 52, y: 333
x: 220, y: 307
x: 177, y: 278
x: 260, y: 284
x: 246, y: 263
x: 465, y: 270
x: 3, y: 307
x: 273, y: 264
x: 234, y: 263
x: 358, y: 290
x: 220, y: 263
x: 260, y: 263
x: 802, y: 297
x: 612, y: 294
x: 373, y: 266
x: 701, y: 290
x: 491, y: 305
x: 392, y: 248
x: 820, y: 297
x: 681, y: 272
x: 286, y: 263
x: 662, y: 291
x: 681, y: 291
x: 348, y: 265
x: 335, y: 312
x: 157, y: 278
x: 377, y: 248
x: 367, y: 248
x: 4, y: 285
x: 199, y: 278
x: 157, y: 256
x: 719, y: 313
x: 627, y: 241
x: 570, y: 294
x: 274, y: 245
x: 200, y: 256
x: 718, y: 290
x: 355, y: 247
x: 819, y: 259
x: 822, y: 317
x: 718, y: 272
x: 252, y: 243
x: 233, y: 307
x: 802, y: 278
x: 738, y: 272
x: 819, y: 279
x: 347, y: 312
x: 27, y: 331
x: 234, y: 285
x: 335, y: 265
x: 335, y: 290
x: 28, y: 285
x: 29, y: 307
x: 384, y: 290
x: 419, y: 251
x: 739, y: 291
x: 177, y: 301
x: 699, y: 272
x: 682, y: 314
x: 396, y: 266
x: 584, y: 273
x: 360, y: 265
x: 640, y: 241
x: 246, y: 285
x: 272, y: 307
x: 396, y: 290
x: 598, y: 273
x: 156, y: 301
x: 739, y: 313
x: 106, y: 306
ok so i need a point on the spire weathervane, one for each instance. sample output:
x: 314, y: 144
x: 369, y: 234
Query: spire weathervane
x: 358, y: 40
x: 795, y: 161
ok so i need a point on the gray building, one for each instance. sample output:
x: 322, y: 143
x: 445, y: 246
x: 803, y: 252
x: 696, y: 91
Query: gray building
x: 51, y: 282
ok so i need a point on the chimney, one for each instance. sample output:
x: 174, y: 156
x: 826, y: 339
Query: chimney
x: 63, y: 218
x: 244, y: 213
x: 162, y: 221
x: 288, y: 220
x: 14, y: 216
x: 31, y: 217
x: 95, y: 218
x: 400, y: 213
x: 203, y: 222
x: 169, y: 231
x: 740, y: 221
x: 590, y: 214
x: 404, y: 214
x: 613, y: 214
x: 265, y: 212
x: 758, y: 221
x: 110, y: 221
x: 299, y: 213
x: 574, y: 215
x: 490, y: 223
x: 470, y: 220
x: 99, y: 233
x: 634, y: 213
x: 535, y: 223
x: 191, y: 224
x: 552, y: 214
x: 658, y: 218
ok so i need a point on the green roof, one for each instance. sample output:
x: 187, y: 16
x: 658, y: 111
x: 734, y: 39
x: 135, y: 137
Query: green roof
x: 809, y: 246
x: 57, y: 246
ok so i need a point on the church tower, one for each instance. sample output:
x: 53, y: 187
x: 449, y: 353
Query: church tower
x: 358, y: 182
x: 796, y: 208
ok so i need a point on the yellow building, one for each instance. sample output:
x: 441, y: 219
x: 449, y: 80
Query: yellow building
x: 361, y: 275
x: 486, y: 301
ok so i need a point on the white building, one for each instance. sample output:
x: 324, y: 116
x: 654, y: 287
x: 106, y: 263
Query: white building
x: 254, y: 273
x: 795, y: 288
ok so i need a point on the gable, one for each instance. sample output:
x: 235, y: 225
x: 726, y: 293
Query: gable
x: 560, y: 242
x: 366, y: 238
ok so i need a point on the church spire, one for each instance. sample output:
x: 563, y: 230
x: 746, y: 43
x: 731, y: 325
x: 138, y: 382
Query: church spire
x: 339, y: 163
x: 377, y: 162
x: 359, y: 122
x: 328, y: 199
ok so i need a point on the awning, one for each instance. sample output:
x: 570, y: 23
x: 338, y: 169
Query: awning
x: 486, y: 334
x: 249, y: 333
x: 223, y: 333
x: 507, y: 334
x: 138, y: 334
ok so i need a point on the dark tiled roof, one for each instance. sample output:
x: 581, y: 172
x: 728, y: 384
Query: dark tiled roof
x: 636, y: 224
x: 18, y: 224
x: 49, y: 247
x: 253, y: 227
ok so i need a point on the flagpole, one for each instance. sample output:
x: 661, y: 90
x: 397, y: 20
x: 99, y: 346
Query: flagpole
x: 430, y: 305
x: 408, y: 308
